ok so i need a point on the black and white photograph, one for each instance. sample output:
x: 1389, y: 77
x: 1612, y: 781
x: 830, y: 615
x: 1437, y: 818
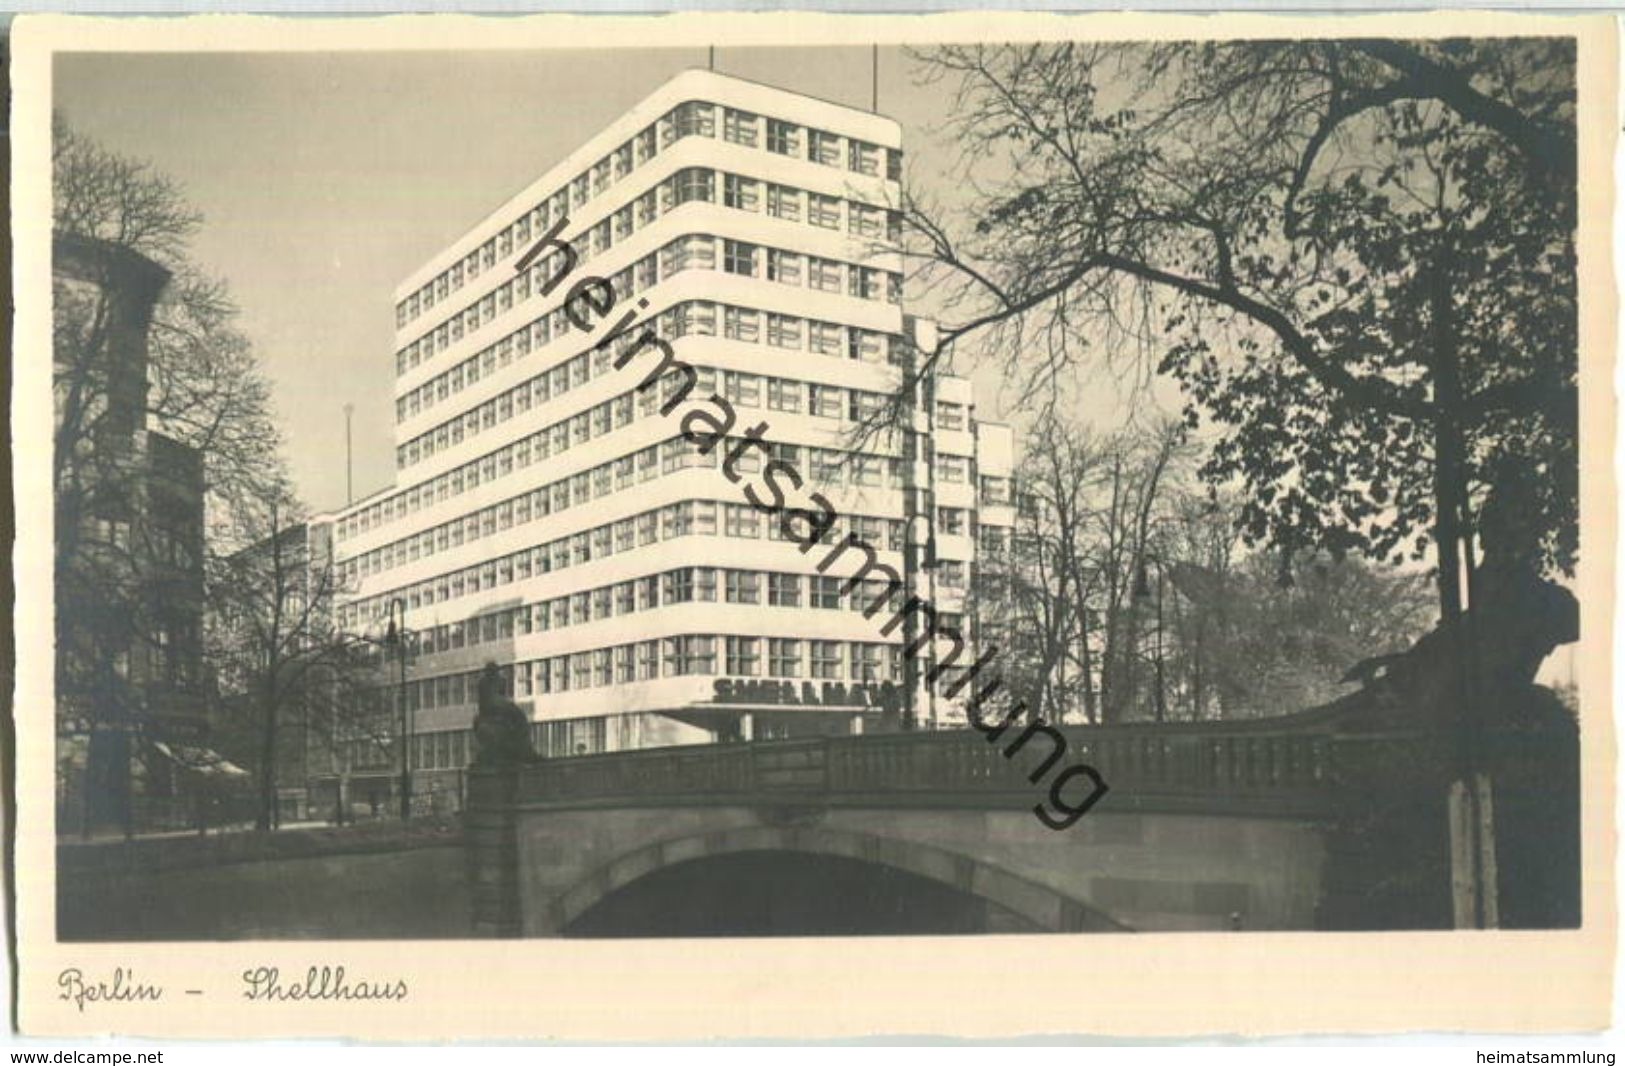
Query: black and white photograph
x: 744, y: 489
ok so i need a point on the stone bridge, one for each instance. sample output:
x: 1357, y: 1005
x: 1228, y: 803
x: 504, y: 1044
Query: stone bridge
x: 1293, y: 823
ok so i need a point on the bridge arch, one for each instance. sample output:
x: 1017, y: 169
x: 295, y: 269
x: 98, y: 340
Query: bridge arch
x: 1046, y: 908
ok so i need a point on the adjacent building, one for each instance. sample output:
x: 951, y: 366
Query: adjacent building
x: 131, y: 712
x: 550, y: 514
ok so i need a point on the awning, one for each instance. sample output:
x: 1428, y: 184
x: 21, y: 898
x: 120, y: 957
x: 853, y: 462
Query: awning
x: 200, y: 760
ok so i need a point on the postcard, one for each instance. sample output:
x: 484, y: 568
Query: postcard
x: 809, y: 526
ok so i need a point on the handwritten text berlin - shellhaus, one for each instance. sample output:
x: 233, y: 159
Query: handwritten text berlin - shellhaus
x: 714, y: 422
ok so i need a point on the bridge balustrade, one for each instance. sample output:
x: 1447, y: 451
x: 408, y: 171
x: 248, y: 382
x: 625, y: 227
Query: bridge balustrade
x: 1245, y: 762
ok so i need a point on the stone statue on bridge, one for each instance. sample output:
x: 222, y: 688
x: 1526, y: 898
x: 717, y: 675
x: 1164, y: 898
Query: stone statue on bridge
x: 1515, y: 620
x: 501, y: 729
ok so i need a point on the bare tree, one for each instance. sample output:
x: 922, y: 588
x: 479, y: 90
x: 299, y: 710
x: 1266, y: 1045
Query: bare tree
x: 1356, y: 256
x: 292, y: 684
x: 163, y: 430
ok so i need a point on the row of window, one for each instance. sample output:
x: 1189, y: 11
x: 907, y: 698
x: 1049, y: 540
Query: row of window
x: 687, y: 518
x: 697, y: 317
x: 863, y: 662
x: 695, y: 118
x: 688, y: 584
x: 742, y: 390
x: 824, y: 275
x: 693, y: 252
x: 711, y: 655
x: 827, y: 467
x: 453, y: 749
x: 822, y: 467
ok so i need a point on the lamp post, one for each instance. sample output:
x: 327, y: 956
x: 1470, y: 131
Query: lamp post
x: 1142, y: 590
x: 396, y: 636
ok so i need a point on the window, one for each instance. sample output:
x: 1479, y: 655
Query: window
x: 648, y: 660
x: 951, y: 468
x: 739, y: 257
x: 784, y: 658
x: 826, y: 659
x: 865, y: 662
x: 784, y: 202
x: 743, y: 390
x: 824, y: 148
x: 952, y: 520
x: 864, y: 221
x: 783, y: 267
x: 990, y: 539
x: 692, y: 183
x: 864, y: 345
x: 739, y: 127
x: 824, y: 338
x: 742, y: 656
x: 740, y: 324
x: 743, y: 522
x: 784, y: 590
x: 742, y: 586
x: 783, y: 395
x: 783, y: 331
x: 679, y: 585
x: 864, y: 283
x: 647, y: 207
x: 826, y: 593
x: 705, y: 518
x: 624, y: 670
x: 995, y: 491
x: 783, y: 138
x: 862, y: 157
x: 825, y: 466
x: 824, y: 401
x: 863, y: 406
x: 823, y: 274
x: 699, y: 655
x: 693, y: 119
x: 695, y: 317
x: 705, y: 584
x: 950, y: 415
x: 738, y: 192
x: 824, y: 211
x: 687, y: 253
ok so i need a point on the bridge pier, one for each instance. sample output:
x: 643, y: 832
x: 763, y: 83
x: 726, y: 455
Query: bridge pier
x: 492, y: 833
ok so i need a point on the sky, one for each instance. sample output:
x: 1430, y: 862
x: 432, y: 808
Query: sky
x: 326, y: 178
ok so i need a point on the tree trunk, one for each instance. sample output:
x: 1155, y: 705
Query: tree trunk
x: 267, y: 805
x: 1449, y: 490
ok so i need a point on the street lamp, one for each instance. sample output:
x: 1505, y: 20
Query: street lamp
x: 395, y: 637
x: 1142, y: 591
